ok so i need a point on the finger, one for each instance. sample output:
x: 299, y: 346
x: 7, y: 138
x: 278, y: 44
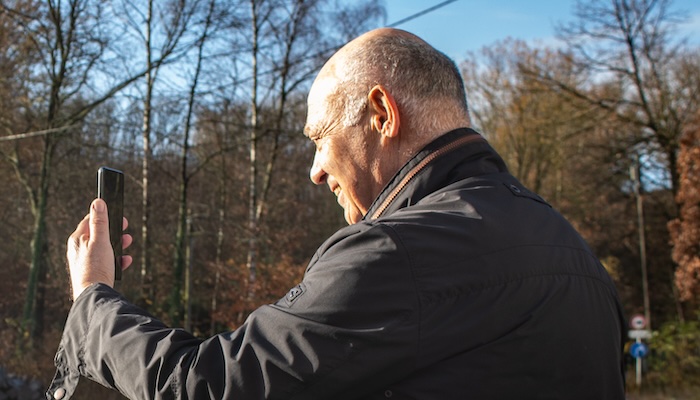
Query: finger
x: 81, y: 230
x: 99, y: 220
x: 126, y: 262
x: 125, y: 223
x: 126, y: 240
x: 82, y: 226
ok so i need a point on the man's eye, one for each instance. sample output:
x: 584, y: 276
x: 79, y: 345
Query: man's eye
x: 317, y: 140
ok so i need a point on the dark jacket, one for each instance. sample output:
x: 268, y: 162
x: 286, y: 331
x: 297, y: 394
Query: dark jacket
x: 459, y: 283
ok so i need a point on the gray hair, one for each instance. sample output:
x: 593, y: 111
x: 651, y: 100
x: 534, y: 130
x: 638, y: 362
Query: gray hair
x: 412, y: 71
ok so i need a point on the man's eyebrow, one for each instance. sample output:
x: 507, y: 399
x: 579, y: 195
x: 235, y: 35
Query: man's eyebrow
x: 308, y: 132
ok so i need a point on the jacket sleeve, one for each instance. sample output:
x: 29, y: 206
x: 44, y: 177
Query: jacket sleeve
x: 349, y: 328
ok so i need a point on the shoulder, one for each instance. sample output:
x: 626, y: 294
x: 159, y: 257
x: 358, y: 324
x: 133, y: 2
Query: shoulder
x: 361, y: 274
x: 360, y: 243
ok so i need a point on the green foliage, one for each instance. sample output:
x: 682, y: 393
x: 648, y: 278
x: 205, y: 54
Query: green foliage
x: 674, y: 359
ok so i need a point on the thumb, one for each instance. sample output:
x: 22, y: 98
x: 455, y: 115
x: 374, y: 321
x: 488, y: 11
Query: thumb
x: 99, y: 221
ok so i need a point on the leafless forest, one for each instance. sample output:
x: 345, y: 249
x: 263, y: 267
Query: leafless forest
x: 202, y: 104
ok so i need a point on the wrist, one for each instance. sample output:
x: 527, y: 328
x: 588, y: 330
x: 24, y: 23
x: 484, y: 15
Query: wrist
x: 80, y: 288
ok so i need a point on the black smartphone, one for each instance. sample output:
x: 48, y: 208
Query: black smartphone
x: 110, y: 188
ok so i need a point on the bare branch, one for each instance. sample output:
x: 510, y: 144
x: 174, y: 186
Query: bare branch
x: 26, y: 135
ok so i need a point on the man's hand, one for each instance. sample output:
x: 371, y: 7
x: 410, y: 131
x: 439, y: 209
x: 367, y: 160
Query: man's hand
x: 90, y: 255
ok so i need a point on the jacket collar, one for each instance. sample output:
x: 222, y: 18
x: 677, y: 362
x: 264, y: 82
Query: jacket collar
x: 454, y: 156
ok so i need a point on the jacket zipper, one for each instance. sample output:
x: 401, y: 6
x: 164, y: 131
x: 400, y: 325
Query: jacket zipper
x: 415, y: 170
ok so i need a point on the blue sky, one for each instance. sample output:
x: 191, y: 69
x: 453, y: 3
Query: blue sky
x: 468, y: 25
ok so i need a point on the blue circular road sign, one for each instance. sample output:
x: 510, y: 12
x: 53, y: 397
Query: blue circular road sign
x: 639, y: 350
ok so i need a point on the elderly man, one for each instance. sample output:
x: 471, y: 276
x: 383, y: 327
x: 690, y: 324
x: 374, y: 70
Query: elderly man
x: 452, y: 280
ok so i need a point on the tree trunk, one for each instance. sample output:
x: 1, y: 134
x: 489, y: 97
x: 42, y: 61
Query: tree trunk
x: 34, y: 300
x: 147, y: 285
x: 184, y: 216
x: 251, y: 263
x: 223, y: 204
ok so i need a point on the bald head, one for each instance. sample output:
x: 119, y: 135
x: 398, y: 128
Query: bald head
x: 426, y: 84
x: 374, y: 105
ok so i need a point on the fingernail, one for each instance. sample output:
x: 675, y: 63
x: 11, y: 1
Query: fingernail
x: 99, y: 206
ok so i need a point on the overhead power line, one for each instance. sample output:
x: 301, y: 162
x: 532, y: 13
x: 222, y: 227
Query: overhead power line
x: 420, y: 13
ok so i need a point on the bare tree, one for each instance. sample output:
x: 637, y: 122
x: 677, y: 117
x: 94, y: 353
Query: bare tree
x: 71, y: 41
x: 159, y: 27
x: 147, y: 286
x: 534, y: 130
x: 76, y: 44
x: 181, y: 263
x: 628, y: 45
x: 255, y: 22
x: 288, y: 42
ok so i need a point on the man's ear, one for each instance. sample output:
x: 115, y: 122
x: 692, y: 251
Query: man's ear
x: 384, y: 116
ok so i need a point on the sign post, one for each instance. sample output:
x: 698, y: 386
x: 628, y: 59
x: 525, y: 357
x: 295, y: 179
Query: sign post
x: 639, y: 350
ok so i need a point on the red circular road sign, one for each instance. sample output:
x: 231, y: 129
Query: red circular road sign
x: 638, y: 322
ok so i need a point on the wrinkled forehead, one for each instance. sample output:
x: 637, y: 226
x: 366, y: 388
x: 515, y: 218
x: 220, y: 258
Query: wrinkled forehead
x: 318, y: 102
x: 321, y: 90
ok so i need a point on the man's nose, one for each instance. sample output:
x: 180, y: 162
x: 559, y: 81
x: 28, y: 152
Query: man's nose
x: 317, y: 174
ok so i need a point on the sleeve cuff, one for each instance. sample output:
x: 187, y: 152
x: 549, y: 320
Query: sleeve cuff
x: 69, y: 356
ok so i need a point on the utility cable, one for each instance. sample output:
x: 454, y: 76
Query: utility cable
x: 420, y: 13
